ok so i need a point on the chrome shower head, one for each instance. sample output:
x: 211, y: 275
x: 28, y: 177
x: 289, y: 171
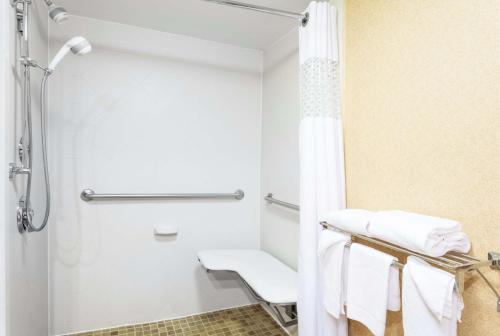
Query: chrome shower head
x: 57, y: 13
x: 78, y: 46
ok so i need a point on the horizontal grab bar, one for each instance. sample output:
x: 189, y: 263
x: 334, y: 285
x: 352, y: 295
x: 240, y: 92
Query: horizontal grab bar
x: 271, y: 200
x: 89, y: 195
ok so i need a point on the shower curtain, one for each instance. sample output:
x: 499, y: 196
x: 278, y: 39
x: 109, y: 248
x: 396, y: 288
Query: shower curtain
x: 322, y: 185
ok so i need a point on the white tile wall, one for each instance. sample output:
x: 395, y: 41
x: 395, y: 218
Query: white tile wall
x: 280, y: 148
x: 175, y: 114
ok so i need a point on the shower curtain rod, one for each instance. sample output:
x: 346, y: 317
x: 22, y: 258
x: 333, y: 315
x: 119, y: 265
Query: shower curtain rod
x: 304, y: 18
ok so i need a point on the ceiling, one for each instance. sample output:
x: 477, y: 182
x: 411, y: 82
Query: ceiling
x: 195, y: 18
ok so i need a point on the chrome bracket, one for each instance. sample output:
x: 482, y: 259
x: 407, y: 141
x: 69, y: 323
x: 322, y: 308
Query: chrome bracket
x: 305, y: 19
x: 240, y: 194
x: 285, y: 313
x: 19, y: 13
x: 494, y: 257
x: 20, y: 21
x: 87, y: 194
x: 21, y: 149
x: 494, y: 260
x: 14, y: 3
x: 290, y: 311
x: 29, y: 62
x: 493, y: 289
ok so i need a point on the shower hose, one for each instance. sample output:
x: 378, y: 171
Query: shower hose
x: 27, y: 212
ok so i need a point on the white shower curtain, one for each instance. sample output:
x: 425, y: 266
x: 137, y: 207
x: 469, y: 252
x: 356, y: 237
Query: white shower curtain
x: 322, y: 185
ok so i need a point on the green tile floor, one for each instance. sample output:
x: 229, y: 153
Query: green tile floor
x: 248, y: 320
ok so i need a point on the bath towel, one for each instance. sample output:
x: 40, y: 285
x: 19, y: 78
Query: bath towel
x: 372, y: 287
x: 352, y: 220
x: 332, y: 255
x: 424, y: 234
x: 431, y: 303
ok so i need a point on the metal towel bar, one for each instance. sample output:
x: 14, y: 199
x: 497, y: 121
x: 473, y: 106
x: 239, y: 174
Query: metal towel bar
x: 454, y: 262
x: 89, y: 195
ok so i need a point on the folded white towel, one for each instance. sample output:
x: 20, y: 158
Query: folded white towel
x: 332, y: 258
x: 372, y: 287
x: 431, y: 303
x: 352, y: 220
x: 424, y: 234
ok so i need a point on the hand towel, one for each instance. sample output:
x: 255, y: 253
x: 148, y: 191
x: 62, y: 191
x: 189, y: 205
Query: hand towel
x: 431, y: 303
x: 428, y: 235
x: 371, y: 287
x: 352, y: 220
x: 394, y: 296
x: 332, y: 254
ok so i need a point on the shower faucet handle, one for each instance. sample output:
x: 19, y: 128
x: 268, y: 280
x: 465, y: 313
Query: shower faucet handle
x: 17, y: 170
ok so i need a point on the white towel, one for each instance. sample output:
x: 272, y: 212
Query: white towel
x: 431, y: 303
x: 352, y: 220
x: 394, y: 296
x: 424, y: 234
x: 372, y: 287
x: 332, y: 258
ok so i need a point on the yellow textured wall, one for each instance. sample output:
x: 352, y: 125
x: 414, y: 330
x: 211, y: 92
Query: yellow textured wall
x: 422, y: 123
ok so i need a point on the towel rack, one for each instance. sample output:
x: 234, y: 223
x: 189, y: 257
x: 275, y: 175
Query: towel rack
x: 89, y: 195
x: 454, y: 262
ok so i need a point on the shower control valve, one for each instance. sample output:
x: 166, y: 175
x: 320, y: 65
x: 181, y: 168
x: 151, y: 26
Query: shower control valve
x: 17, y: 170
x: 24, y: 216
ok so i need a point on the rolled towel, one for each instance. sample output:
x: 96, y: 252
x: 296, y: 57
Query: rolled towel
x: 332, y: 253
x: 428, y: 235
x: 351, y: 220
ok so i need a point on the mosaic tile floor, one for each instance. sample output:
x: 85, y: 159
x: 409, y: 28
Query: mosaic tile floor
x: 249, y: 320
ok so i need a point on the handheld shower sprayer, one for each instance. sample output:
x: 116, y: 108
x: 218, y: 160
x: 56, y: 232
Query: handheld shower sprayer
x: 78, y: 46
x: 57, y: 13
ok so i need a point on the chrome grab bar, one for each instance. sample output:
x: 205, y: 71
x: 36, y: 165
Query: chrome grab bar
x: 89, y: 195
x: 272, y: 200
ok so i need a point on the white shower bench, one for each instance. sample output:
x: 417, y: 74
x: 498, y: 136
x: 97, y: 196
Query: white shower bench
x: 268, y: 279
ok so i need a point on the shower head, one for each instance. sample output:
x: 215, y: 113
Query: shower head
x: 78, y: 46
x: 57, y: 13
